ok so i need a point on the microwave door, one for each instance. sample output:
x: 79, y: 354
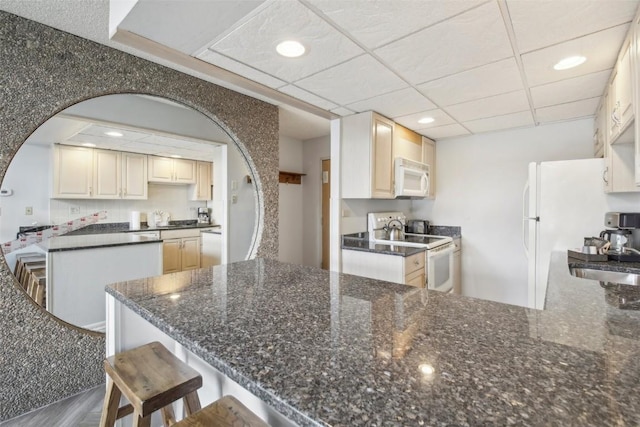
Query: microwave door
x: 414, y: 183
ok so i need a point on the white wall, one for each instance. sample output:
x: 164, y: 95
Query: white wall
x: 314, y: 151
x: 242, y: 213
x: 480, y: 179
x: 291, y: 202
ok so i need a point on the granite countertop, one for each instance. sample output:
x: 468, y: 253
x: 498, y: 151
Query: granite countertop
x: 72, y: 243
x: 330, y: 349
x: 123, y: 227
x: 360, y: 244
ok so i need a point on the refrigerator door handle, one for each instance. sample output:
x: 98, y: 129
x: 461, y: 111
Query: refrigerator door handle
x: 525, y: 219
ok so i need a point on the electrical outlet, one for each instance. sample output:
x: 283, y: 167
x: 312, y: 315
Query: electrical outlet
x: 28, y: 210
x: 234, y: 198
x: 74, y: 210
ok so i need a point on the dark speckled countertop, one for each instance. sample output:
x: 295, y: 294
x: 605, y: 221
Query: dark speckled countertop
x: 73, y: 243
x: 330, y: 349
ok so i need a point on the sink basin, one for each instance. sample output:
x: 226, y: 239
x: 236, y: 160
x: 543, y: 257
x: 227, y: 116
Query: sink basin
x: 607, y: 276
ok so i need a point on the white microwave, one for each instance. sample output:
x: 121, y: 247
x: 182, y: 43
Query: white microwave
x: 411, y: 178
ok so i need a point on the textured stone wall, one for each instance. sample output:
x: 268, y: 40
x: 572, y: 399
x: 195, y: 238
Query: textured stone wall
x: 43, y: 71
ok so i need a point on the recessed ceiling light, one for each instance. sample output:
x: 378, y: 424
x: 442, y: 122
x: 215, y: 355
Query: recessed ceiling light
x: 426, y: 369
x: 114, y: 134
x: 290, y: 49
x: 88, y: 144
x: 426, y: 120
x: 176, y: 156
x: 570, y: 62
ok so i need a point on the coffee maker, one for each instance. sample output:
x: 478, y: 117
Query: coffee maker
x: 203, y: 216
x: 624, y: 234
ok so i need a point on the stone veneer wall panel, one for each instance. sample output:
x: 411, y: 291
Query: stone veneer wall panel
x: 44, y: 71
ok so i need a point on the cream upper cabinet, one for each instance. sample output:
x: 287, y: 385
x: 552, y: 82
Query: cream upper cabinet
x: 134, y: 176
x: 204, y: 181
x: 367, y: 156
x: 407, y: 144
x: 107, y: 174
x: 72, y: 172
x: 88, y: 173
x: 621, y: 109
x: 169, y: 170
x: 429, y: 158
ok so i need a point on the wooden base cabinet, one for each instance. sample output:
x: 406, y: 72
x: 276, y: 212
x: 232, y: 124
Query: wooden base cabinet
x: 457, y: 266
x: 408, y: 270
x: 180, y: 250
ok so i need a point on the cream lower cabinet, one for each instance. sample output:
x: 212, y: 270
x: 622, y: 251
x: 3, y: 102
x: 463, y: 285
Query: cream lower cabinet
x: 409, y: 270
x: 457, y: 266
x: 180, y: 250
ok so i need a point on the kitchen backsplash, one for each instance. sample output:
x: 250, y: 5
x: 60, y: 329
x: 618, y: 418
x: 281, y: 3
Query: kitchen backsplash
x: 173, y: 199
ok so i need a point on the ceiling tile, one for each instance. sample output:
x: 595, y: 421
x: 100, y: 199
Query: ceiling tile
x: 471, y: 39
x: 341, y: 111
x: 571, y: 110
x: 487, y: 80
x: 376, y: 22
x: 583, y: 87
x: 240, y: 69
x: 346, y: 83
x: 311, y: 98
x: 411, y: 120
x: 498, y: 105
x: 185, y: 25
x: 542, y: 23
x: 444, y: 131
x: 538, y: 65
x: 394, y: 104
x: 98, y: 130
x: 254, y: 42
x: 507, y: 121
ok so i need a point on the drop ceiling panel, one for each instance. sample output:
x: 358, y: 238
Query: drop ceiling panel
x: 487, y: 80
x: 542, y: 23
x: 411, y: 120
x: 498, y: 105
x: 345, y: 84
x: 571, y: 110
x: 186, y: 25
x: 341, y: 111
x: 254, y: 42
x: 56, y: 129
x: 98, y: 130
x: 507, y: 121
x: 377, y: 22
x: 240, y: 69
x: 583, y: 87
x: 307, y: 97
x: 538, y: 65
x: 447, y: 131
x: 394, y: 104
x: 471, y: 39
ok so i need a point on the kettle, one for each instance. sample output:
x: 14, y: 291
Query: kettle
x: 394, y: 232
x: 619, y: 239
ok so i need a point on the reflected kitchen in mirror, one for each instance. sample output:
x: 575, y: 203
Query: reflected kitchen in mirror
x: 122, y: 187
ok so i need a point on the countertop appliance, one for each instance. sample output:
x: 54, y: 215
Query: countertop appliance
x: 411, y: 178
x: 563, y: 202
x: 439, y: 249
x: 203, y: 216
x: 417, y: 226
x: 624, y: 235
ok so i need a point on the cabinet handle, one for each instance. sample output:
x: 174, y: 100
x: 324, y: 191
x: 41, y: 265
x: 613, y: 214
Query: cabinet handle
x: 90, y: 191
x: 604, y: 175
x: 614, y: 115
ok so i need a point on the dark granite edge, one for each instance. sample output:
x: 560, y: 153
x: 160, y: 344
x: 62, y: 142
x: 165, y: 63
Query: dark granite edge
x: 617, y: 266
x: 360, y: 241
x: 123, y: 227
x: 104, y: 245
x: 254, y: 387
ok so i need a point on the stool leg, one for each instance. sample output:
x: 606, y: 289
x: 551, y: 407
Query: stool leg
x: 168, y: 416
x: 191, y: 403
x: 139, y: 421
x: 110, y: 406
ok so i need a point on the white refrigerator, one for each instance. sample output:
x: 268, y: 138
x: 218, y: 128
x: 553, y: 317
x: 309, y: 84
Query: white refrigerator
x: 563, y: 202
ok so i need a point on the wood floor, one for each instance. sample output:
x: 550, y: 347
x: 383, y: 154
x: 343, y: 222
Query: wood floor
x: 81, y: 410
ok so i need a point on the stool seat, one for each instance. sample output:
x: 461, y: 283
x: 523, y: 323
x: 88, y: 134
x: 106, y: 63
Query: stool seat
x: 151, y: 378
x: 224, y: 412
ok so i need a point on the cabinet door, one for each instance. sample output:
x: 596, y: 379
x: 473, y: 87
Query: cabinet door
x: 106, y: 174
x: 160, y: 169
x: 72, y: 172
x: 202, y: 189
x: 211, y: 249
x: 190, y: 253
x: 184, y: 171
x: 429, y: 158
x: 457, y: 272
x: 624, y: 91
x: 171, y: 255
x: 418, y: 279
x: 134, y: 176
x: 382, y: 184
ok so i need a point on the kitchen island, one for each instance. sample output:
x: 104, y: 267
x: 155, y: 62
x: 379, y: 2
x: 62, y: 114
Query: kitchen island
x: 305, y: 346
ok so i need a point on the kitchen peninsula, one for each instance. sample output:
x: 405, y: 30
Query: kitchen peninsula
x: 309, y: 347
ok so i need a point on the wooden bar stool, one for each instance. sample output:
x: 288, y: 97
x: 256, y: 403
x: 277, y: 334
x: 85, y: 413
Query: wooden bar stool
x: 151, y: 378
x: 27, y: 268
x: 22, y: 260
x: 37, y: 284
x: 224, y: 412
